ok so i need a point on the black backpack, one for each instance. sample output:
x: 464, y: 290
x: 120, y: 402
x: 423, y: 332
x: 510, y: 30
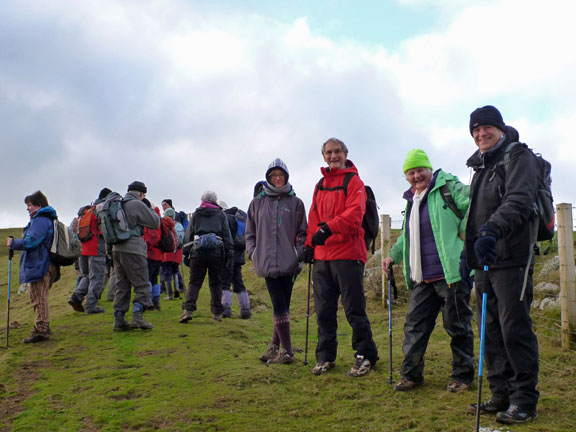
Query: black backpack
x: 543, y: 205
x: 371, y: 220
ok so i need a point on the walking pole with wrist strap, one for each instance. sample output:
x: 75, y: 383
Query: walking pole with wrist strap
x: 10, y: 255
x: 481, y: 355
x: 391, y: 281
x: 308, y: 313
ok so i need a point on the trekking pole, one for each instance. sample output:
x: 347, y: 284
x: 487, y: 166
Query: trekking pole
x: 390, y: 278
x: 481, y: 355
x: 10, y: 255
x: 307, y: 314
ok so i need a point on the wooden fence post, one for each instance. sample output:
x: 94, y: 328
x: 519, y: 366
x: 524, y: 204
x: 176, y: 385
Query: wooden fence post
x: 567, y: 275
x: 385, y: 224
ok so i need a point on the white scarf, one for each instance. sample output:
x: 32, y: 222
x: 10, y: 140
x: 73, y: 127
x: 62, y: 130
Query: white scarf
x: 414, y: 226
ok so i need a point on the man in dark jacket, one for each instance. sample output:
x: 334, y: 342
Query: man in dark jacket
x: 335, y: 241
x: 207, y: 246
x: 497, y: 236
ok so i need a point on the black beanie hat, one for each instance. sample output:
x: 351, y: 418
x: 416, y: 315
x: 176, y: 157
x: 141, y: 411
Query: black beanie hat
x: 169, y: 202
x: 104, y: 193
x: 137, y: 186
x: 486, y: 116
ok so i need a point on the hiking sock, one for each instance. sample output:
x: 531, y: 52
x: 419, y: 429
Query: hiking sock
x: 275, y: 334
x: 227, y: 298
x: 282, y: 323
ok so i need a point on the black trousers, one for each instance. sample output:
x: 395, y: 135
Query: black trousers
x: 232, y: 276
x: 334, y: 279
x: 511, y: 347
x: 426, y: 302
x: 198, y: 268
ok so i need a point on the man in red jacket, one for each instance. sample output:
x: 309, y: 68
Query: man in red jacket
x: 335, y: 243
x: 92, y: 265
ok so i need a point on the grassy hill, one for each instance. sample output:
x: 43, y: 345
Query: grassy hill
x: 206, y: 376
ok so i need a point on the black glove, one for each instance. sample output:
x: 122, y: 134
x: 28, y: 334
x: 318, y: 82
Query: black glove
x: 464, y: 270
x: 307, y: 255
x: 485, y: 245
x: 319, y: 238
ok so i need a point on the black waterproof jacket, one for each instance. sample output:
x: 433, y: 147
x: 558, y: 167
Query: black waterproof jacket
x: 207, y: 220
x: 502, y: 197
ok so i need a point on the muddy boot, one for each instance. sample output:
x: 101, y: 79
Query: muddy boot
x: 227, y: 303
x: 120, y: 324
x: 138, y: 320
x: 245, y: 311
x: 155, y: 305
x: 168, y: 290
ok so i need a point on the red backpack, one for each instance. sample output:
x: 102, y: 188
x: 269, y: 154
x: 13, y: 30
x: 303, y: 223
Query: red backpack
x: 83, y: 227
x: 168, y: 239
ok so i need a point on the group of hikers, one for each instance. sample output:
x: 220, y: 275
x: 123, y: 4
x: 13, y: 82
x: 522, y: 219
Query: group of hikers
x: 454, y: 237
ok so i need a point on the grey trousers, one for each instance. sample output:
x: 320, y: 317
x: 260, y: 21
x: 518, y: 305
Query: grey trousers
x: 426, y: 302
x: 130, y: 270
x: 92, y: 282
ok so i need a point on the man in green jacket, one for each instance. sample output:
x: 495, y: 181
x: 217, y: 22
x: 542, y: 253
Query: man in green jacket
x: 430, y: 246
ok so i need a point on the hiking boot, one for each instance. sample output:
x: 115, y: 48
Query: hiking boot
x: 76, y: 306
x: 245, y: 313
x: 360, y: 367
x: 96, y: 310
x: 227, y: 312
x: 492, y: 406
x: 120, y: 324
x: 167, y: 298
x: 271, y: 352
x: 185, y: 317
x: 138, y: 321
x: 322, y: 367
x: 155, y: 305
x: 176, y: 294
x: 407, y: 385
x: 217, y: 317
x: 283, y: 357
x: 36, y: 337
x: 514, y: 415
x: 457, y: 386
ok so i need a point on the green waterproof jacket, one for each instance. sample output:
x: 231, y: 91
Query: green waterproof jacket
x: 448, y: 229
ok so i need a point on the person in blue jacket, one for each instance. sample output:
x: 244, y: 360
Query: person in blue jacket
x: 36, y: 269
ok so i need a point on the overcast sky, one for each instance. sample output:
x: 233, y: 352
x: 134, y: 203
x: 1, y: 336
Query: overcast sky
x: 195, y: 95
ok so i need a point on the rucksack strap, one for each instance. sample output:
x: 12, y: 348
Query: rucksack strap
x: 345, y: 183
x: 449, y: 201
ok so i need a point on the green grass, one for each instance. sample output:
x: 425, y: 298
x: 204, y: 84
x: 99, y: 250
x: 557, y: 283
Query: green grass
x: 206, y: 376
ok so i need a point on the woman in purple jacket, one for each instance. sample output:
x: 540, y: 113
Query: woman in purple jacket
x: 275, y: 236
x: 35, y: 266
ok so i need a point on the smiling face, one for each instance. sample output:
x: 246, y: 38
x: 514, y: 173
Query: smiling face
x: 419, y: 178
x: 277, y: 177
x: 486, y: 137
x: 334, y: 155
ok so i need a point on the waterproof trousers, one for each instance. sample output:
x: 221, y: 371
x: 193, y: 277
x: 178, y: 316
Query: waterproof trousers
x: 332, y: 280
x: 198, y: 267
x: 511, y: 347
x: 426, y: 302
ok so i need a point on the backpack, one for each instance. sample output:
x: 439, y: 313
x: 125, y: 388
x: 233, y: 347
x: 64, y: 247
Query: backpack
x: 183, y: 218
x: 240, y: 236
x: 66, y: 247
x: 82, y: 227
x: 206, y: 242
x: 112, y: 219
x: 168, y: 238
x: 180, y: 232
x: 371, y: 220
x: 543, y: 205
